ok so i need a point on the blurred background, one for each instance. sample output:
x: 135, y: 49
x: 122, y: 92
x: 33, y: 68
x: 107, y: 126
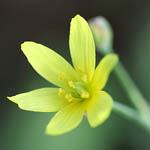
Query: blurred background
x: 47, y: 22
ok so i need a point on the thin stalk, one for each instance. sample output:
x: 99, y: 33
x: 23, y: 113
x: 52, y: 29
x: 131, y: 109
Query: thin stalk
x: 132, y: 91
x: 129, y: 113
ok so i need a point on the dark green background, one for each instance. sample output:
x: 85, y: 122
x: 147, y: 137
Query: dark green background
x: 47, y: 22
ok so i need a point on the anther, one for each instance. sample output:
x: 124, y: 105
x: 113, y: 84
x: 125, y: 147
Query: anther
x: 84, y: 78
x: 70, y: 100
x: 71, y: 84
x: 61, y: 76
x: 60, y: 92
x: 79, y: 69
x: 84, y: 94
x: 69, y: 97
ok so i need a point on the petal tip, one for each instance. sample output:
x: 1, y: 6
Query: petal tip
x: 116, y: 59
x: 23, y: 45
x: 12, y: 98
x: 116, y: 56
x: 76, y: 17
x: 50, y: 132
x: 26, y: 44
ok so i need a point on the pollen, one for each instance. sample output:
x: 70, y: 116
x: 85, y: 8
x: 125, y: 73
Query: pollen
x: 60, y: 92
x: 79, y: 69
x: 71, y: 84
x: 61, y: 76
x: 85, y: 94
x: 70, y: 100
x: 69, y: 97
x: 84, y: 78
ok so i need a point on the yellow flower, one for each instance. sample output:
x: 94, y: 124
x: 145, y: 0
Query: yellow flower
x: 81, y: 87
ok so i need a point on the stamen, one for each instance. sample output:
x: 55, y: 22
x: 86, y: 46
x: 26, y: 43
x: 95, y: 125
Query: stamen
x: 70, y: 100
x: 60, y: 92
x: 79, y: 69
x: 71, y: 84
x: 84, y: 94
x: 69, y: 97
x: 84, y: 78
x: 61, y: 76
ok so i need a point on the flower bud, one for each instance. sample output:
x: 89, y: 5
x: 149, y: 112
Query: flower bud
x: 103, y: 34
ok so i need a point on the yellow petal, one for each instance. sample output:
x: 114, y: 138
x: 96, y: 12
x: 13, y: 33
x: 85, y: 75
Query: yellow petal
x: 49, y: 64
x: 99, y: 108
x: 82, y: 46
x: 40, y: 100
x: 103, y: 70
x: 66, y: 119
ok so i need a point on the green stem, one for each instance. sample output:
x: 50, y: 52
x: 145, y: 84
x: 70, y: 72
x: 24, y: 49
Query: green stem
x: 129, y: 113
x: 133, y: 92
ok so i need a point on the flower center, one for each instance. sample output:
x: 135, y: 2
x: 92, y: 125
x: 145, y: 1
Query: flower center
x: 79, y: 91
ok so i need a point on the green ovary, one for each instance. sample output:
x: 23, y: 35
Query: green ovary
x: 79, y: 91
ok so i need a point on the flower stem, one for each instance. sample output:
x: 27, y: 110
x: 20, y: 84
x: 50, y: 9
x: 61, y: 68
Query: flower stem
x: 133, y: 92
x: 129, y: 113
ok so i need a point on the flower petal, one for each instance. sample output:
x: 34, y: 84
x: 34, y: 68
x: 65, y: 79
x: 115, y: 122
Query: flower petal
x: 66, y: 119
x: 99, y: 108
x: 49, y: 64
x: 103, y: 70
x: 82, y: 46
x: 40, y: 100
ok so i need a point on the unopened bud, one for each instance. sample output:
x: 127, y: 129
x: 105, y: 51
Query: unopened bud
x: 103, y: 34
